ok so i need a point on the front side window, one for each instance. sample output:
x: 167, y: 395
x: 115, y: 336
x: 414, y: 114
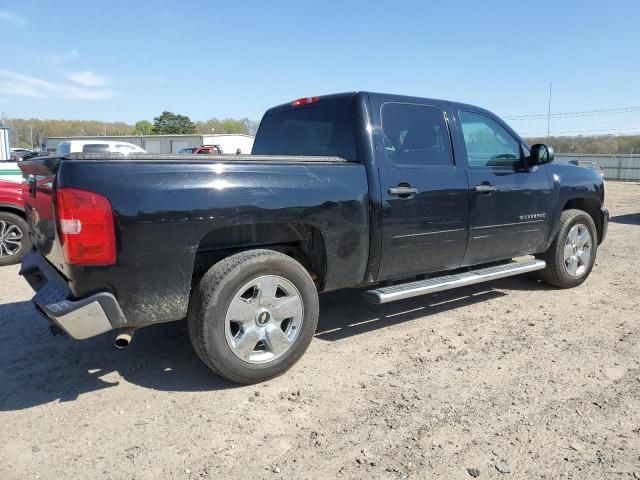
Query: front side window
x: 125, y: 148
x: 488, y: 144
x: 415, y: 135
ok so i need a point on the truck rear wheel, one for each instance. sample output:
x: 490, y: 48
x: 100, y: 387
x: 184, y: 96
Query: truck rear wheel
x: 572, y: 254
x: 14, y: 239
x: 253, y: 315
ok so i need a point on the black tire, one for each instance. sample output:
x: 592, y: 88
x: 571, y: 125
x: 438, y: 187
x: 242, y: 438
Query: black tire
x: 556, y: 273
x: 14, y: 221
x: 213, y: 296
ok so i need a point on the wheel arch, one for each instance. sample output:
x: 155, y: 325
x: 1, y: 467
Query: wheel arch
x: 303, y: 242
x: 590, y: 206
x: 15, y: 209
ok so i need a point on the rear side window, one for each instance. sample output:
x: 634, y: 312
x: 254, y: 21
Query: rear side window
x: 125, y: 148
x: 323, y: 129
x: 488, y: 144
x: 415, y: 135
x: 95, y: 148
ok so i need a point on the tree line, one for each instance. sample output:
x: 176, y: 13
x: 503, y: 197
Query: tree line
x: 607, y: 144
x: 26, y: 133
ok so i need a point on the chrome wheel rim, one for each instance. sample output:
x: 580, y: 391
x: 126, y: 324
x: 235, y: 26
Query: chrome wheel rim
x: 264, y: 319
x: 10, y: 239
x: 578, y: 250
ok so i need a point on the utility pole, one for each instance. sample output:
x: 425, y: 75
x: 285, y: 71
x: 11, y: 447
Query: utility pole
x: 31, y: 137
x: 549, y: 113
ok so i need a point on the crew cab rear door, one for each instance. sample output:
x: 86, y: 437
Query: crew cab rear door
x: 509, y: 204
x: 424, y: 192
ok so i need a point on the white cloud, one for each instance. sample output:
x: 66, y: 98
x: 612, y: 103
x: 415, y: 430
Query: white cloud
x: 60, y: 58
x: 17, y: 84
x: 88, y: 94
x: 12, y: 17
x: 12, y: 83
x: 87, y: 79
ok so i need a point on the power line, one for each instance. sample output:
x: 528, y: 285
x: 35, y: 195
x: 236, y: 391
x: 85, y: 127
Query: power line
x: 583, y: 113
x: 621, y: 131
x: 617, y: 122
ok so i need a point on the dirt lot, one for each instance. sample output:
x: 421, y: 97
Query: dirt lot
x: 512, y: 378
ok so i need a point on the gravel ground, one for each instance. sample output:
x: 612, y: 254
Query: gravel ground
x: 511, y: 378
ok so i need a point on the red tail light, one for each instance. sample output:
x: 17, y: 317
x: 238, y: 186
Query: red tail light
x: 304, y: 101
x: 85, y: 222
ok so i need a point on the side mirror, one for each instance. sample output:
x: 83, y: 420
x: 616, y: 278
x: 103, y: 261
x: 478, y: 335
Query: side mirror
x: 540, y: 154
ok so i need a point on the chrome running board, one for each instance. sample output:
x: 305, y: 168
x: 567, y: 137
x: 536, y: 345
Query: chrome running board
x: 448, y: 282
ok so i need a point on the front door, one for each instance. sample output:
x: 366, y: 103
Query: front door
x: 509, y: 205
x: 424, y: 192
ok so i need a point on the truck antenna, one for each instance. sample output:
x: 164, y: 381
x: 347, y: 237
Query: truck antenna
x: 549, y: 113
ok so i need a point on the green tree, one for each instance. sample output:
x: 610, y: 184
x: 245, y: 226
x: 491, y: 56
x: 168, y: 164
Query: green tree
x: 250, y: 126
x: 227, y: 125
x: 171, y: 124
x: 143, y: 127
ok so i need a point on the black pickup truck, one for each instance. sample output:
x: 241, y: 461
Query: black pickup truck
x: 404, y: 196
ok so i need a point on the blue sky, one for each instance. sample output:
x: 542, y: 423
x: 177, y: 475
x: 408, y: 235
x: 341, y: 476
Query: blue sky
x: 117, y: 60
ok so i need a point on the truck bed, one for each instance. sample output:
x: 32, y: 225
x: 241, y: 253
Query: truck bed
x: 173, y: 212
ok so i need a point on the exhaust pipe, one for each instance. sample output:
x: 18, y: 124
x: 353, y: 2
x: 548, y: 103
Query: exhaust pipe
x: 124, y: 338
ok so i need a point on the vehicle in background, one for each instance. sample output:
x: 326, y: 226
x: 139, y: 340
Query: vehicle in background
x: 405, y: 196
x: 33, y: 154
x: 97, y: 146
x: 14, y: 238
x: 203, y: 149
x: 188, y: 150
x: 590, y: 164
x: 21, y: 152
x: 208, y: 150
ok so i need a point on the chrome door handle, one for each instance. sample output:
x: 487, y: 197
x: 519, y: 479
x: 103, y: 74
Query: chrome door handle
x: 403, y: 191
x: 484, y: 188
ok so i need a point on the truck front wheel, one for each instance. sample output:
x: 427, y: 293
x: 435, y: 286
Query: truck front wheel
x: 253, y: 315
x: 572, y: 254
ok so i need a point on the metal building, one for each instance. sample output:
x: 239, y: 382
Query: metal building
x: 5, y: 151
x: 229, y: 142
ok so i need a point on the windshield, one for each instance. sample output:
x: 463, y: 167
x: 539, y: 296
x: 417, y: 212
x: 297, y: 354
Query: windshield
x: 324, y: 129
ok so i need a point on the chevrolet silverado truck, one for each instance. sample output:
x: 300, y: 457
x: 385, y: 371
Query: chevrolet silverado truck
x: 398, y: 196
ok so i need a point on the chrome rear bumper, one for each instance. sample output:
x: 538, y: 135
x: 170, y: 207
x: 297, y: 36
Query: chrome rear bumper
x: 82, y: 318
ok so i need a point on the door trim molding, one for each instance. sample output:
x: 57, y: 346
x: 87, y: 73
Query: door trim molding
x: 431, y: 233
x: 529, y: 222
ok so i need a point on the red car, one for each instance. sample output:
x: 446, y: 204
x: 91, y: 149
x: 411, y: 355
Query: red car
x: 209, y: 149
x: 14, y: 239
